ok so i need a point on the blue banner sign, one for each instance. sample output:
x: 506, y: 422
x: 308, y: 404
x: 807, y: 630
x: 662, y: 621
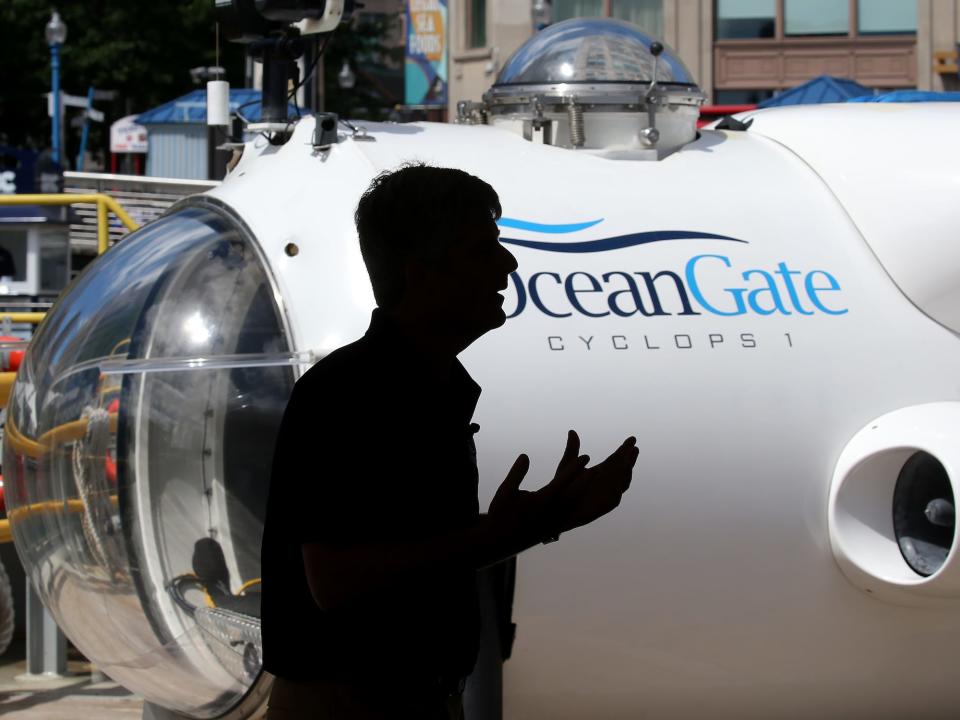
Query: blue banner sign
x: 425, y: 69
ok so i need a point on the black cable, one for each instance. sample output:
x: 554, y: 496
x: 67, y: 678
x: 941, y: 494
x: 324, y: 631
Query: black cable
x: 309, y: 73
x: 241, y: 107
x: 306, y: 76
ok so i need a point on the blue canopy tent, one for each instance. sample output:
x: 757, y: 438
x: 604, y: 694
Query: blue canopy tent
x: 177, y: 135
x: 823, y: 89
x: 192, y: 108
x: 900, y: 96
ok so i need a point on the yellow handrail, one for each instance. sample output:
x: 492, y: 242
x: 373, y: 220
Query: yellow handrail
x: 33, y: 318
x: 103, y: 202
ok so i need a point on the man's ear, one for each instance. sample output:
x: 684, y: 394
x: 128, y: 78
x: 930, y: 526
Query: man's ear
x: 418, y: 278
x: 413, y: 272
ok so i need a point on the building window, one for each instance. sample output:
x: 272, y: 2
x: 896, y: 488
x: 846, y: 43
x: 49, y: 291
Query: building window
x: 777, y: 19
x: 816, y: 17
x: 645, y: 14
x: 741, y: 97
x: 737, y: 19
x: 776, y: 44
x: 476, y: 23
x: 566, y: 9
x: 878, y: 17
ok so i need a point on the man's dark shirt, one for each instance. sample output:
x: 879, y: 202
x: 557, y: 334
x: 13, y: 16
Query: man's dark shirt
x: 372, y: 449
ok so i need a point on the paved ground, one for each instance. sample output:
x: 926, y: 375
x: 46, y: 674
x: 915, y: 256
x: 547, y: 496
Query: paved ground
x: 76, y: 697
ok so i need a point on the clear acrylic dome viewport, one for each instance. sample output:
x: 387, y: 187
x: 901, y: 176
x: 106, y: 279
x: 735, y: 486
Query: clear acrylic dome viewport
x: 137, y: 498
x: 591, y: 50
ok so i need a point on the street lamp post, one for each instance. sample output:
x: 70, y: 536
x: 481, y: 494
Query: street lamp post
x: 542, y: 14
x: 56, y: 33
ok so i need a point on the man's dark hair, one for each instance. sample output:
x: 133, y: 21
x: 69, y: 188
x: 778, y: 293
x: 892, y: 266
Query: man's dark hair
x: 415, y: 213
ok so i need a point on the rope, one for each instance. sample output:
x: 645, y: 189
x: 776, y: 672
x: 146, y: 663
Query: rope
x: 6, y: 610
x: 90, y: 474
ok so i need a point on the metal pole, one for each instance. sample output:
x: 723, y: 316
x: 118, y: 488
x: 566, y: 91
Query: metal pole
x: 55, y: 83
x: 86, y: 130
x: 46, y: 644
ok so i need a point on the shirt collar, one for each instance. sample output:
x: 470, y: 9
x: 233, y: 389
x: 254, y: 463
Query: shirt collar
x: 460, y: 389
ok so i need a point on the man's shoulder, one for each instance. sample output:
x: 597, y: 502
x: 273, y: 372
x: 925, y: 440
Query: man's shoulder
x: 338, y: 369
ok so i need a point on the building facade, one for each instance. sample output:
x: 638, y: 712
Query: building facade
x: 740, y: 51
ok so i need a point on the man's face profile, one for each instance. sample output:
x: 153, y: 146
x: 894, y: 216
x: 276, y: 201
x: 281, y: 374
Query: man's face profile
x: 465, y: 285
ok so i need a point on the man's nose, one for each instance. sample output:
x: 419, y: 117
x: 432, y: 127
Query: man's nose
x: 509, y: 261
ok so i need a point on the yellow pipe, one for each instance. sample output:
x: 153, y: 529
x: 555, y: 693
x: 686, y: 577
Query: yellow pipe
x: 6, y: 384
x: 116, y: 348
x: 23, y: 445
x: 103, y: 229
x: 75, y: 505
x: 67, y: 432
x: 23, y: 317
x: 247, y: 585
x: 73, y: 430
x: 70, y: 431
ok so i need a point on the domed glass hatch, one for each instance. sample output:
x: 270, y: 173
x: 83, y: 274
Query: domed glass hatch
x: 592, y: 50
x: 595, y: 84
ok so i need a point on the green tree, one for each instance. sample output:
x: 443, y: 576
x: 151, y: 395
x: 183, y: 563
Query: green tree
x: 142, y: 49
x: 375, y: 60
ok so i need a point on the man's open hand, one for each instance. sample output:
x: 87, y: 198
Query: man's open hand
x: 596, y: 490
x: 577, y: 494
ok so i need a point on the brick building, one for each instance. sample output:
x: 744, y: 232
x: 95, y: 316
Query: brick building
x: 738, y: 50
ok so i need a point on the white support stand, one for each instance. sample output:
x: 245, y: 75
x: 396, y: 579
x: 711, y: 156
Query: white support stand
x: 46, y: 643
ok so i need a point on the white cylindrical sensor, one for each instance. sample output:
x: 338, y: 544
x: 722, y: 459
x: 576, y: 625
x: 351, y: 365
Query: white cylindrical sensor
x: 218, y: 102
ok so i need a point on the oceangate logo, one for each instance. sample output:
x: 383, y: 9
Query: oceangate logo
x: 777, y: 290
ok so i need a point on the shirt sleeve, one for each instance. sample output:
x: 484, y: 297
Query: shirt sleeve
x: 325, y: 466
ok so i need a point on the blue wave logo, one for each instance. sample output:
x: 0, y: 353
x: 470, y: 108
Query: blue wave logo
x: 550, y: 229
x: 601, y: 245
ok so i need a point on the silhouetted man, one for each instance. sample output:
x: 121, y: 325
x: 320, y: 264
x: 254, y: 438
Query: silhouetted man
x: 373, y: 534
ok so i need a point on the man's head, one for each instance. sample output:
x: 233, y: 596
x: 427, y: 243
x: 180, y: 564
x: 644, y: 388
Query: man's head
x: 429, y: 239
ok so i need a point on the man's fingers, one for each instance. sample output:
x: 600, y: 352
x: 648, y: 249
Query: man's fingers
x: 630, y: 463
x: 627, y: 456
x: 566, y: 474
x: 571, y: 451
x: 516, y: 473
x: 564, y: 478
x: 616, y: 470
x: 619, y: 455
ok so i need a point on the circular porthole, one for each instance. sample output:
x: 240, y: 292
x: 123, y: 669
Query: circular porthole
x: 891, y: 509
x: 923, y: 513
